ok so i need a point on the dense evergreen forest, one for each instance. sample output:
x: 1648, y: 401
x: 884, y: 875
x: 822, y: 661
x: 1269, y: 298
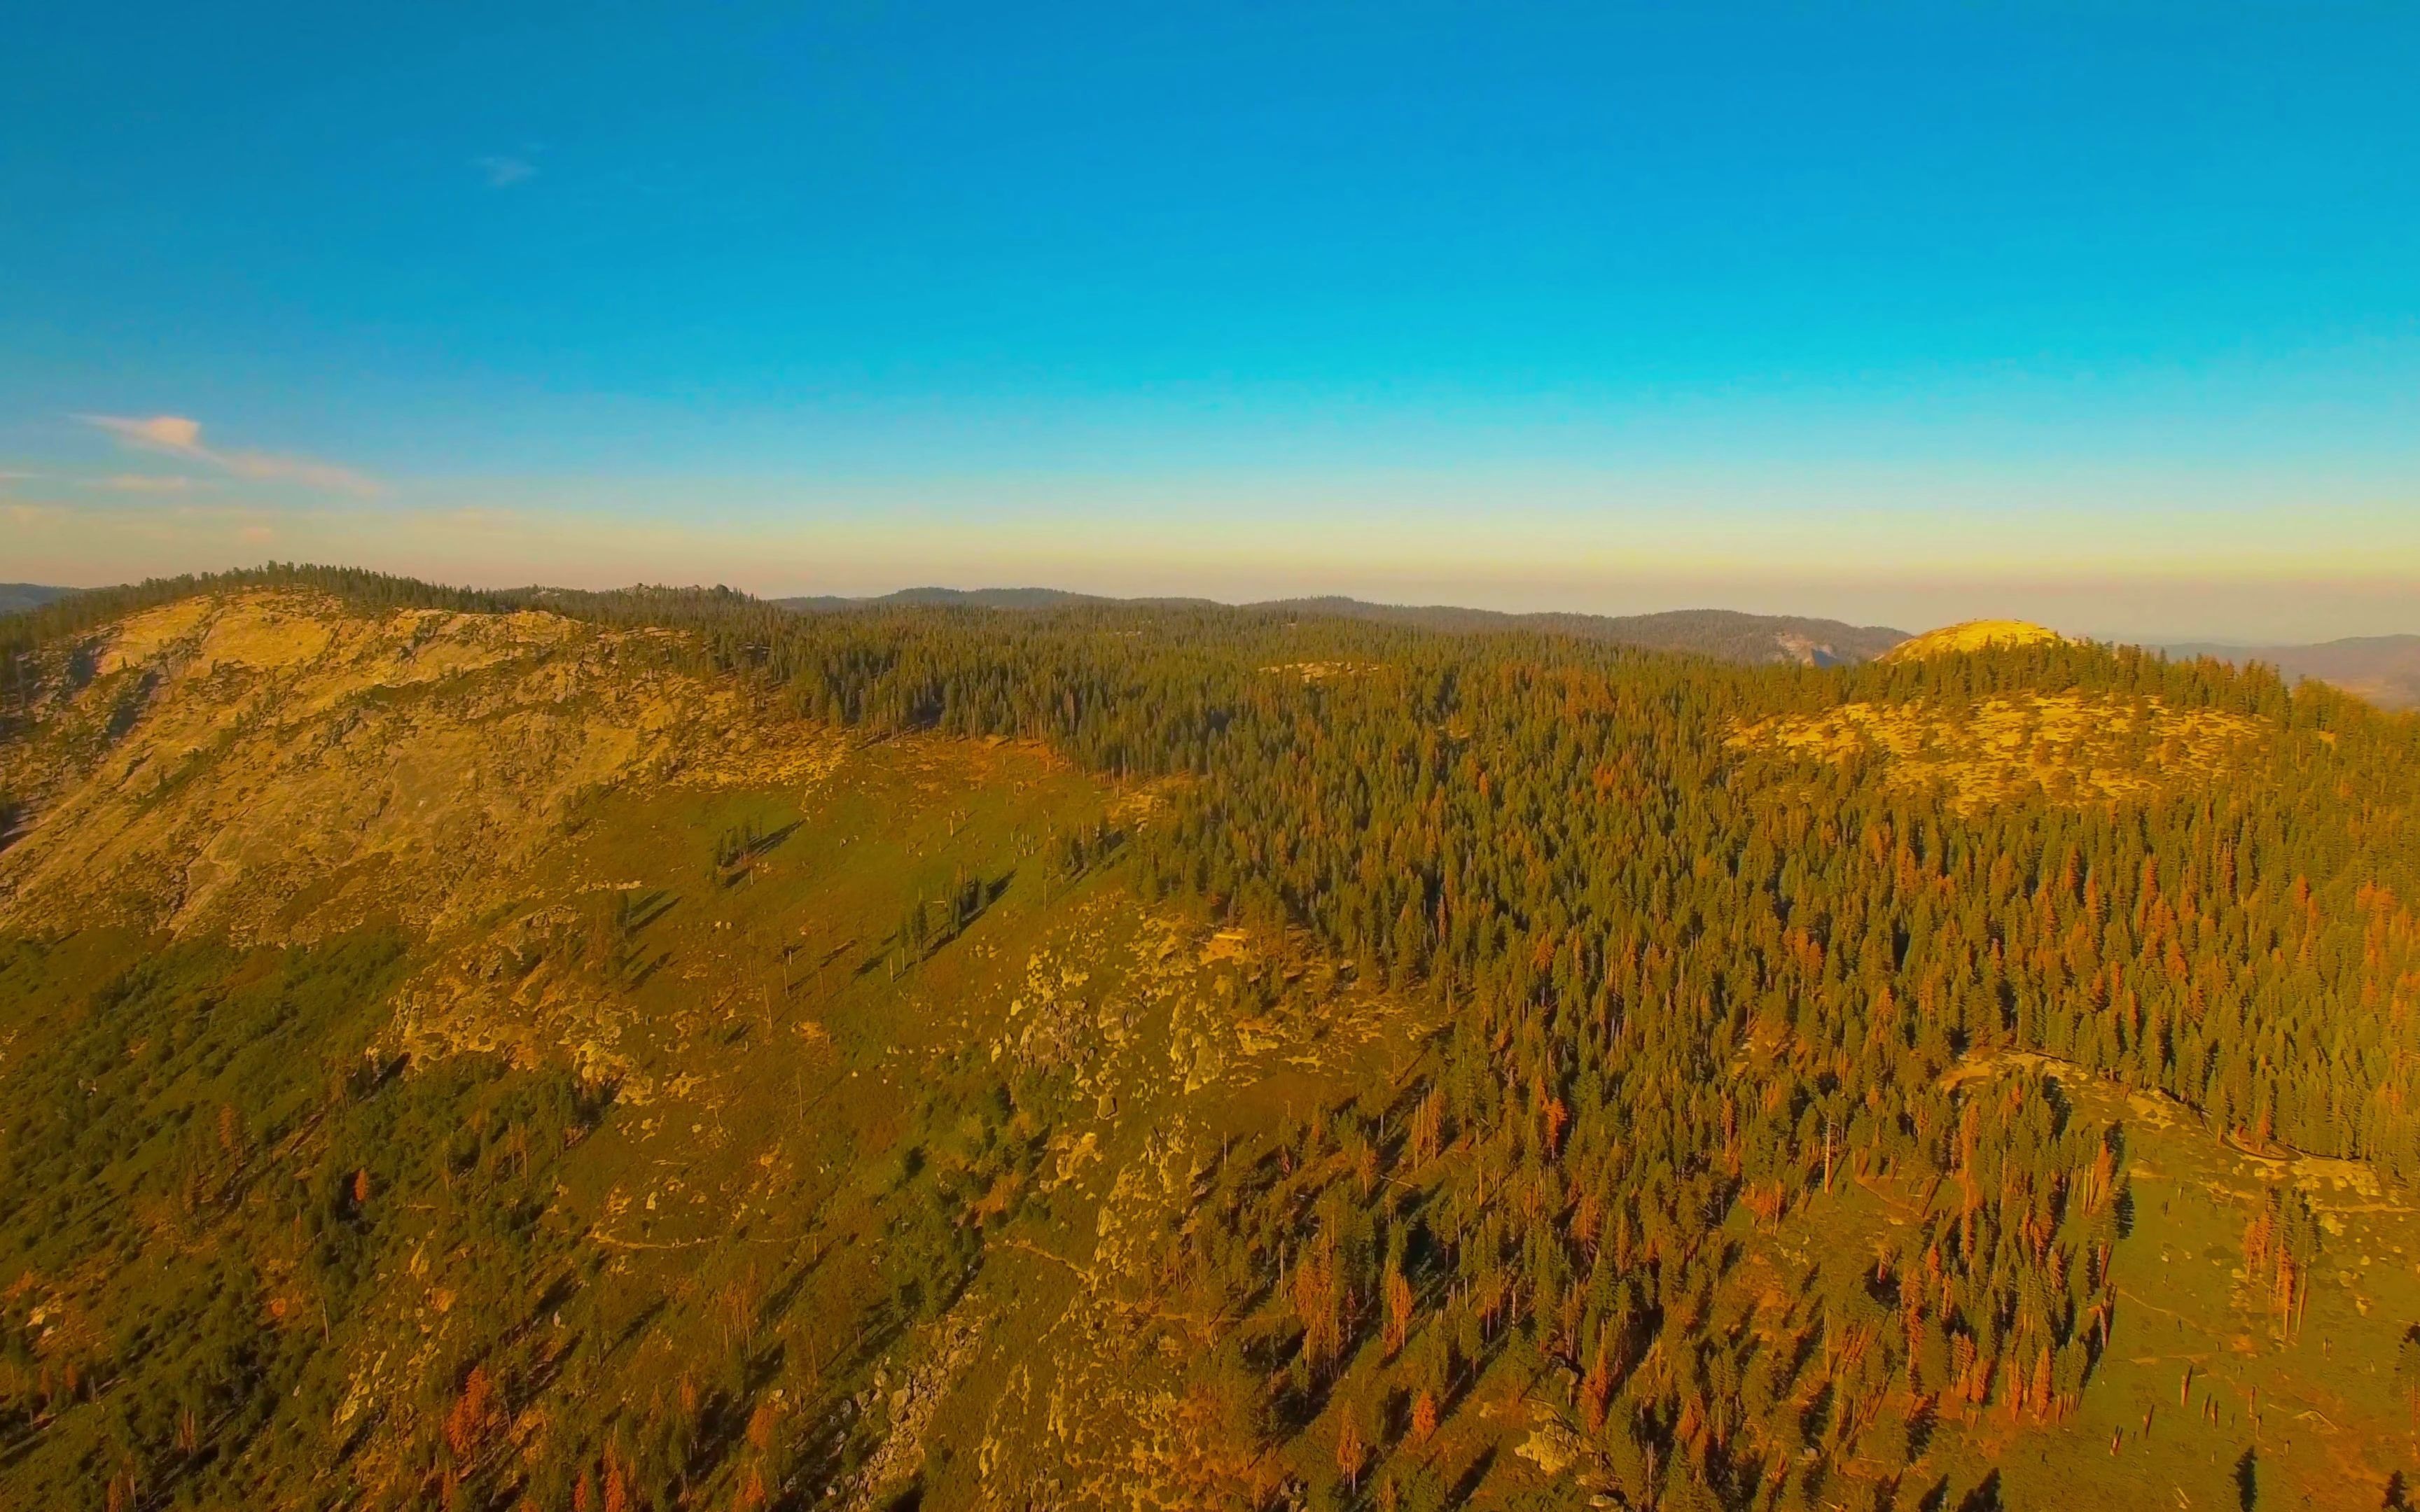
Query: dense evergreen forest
x: 1683, y: 985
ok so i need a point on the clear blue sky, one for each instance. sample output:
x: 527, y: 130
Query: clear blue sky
x: 2078, y: 310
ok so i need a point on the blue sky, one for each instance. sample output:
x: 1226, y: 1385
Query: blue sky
x: 2109, y: 315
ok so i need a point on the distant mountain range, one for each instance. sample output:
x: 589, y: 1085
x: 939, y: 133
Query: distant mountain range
x: 2383, y: 668
x: 963, y: 598
x: 1726, y: 633
x: 14, y: 596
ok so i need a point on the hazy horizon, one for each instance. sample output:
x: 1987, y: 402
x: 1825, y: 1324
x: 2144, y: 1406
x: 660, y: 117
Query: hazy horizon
x: 2071, y: 608
x: 1900, y: 316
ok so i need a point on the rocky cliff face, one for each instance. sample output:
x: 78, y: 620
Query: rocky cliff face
x: 273, y: 768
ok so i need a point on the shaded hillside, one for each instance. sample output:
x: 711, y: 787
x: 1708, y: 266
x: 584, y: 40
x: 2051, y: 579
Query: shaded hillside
x: 2383, y: 668
x: 15, y: 596
x: 658, y: 1049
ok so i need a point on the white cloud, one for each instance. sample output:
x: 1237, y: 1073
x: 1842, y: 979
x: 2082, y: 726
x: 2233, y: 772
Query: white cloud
x: 502, y: 172
x: 178, y: 436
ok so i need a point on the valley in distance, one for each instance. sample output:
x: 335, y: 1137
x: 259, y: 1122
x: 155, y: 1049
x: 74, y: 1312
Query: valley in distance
x: 666, y: 1049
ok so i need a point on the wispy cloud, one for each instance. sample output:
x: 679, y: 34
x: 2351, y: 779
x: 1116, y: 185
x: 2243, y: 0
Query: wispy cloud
x: 267, y: 467
x: 503, y: 171
x: 144, y: 483
x: 180, y: 437
x: 173, y: 433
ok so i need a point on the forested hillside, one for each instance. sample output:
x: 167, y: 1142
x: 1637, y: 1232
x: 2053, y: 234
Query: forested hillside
x: 662, y: 1049
x: 1727, y: 634
x: 1708, y: 632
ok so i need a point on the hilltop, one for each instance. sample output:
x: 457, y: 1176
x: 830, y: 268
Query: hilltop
x: 659, y: 1049
x: 1973, y: 634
